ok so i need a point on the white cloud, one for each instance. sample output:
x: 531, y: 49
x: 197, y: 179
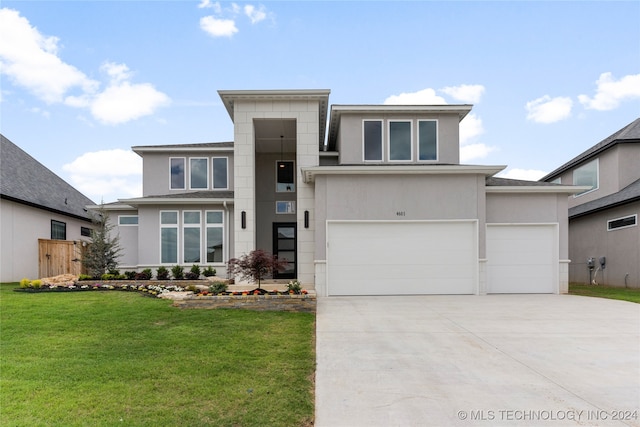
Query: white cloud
x: 474, y: 151
x: 470, y: 127
x: 470, y: 94
x: 524, y: 174
x: 218, y: 27
x: 422, y: 97
x: 107, y: 175
x: 610, y: 92
x: 31, y: 60
x: 549, y: 110
x: 255, y: 15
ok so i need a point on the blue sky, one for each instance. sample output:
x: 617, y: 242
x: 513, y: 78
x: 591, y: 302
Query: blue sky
x: 82, y: 82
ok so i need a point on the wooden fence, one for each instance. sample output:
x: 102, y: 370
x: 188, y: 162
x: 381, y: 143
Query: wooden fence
x: 57, y: 257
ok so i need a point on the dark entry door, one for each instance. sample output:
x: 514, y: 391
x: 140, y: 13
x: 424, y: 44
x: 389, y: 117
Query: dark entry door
x: 284, y: 247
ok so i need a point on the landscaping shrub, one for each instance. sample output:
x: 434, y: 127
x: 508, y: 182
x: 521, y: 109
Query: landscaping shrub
x: 130, y: 275
x: 209, y: 272
x: 84, y: 277
x: 294, y: 286
x: 218, y: 288
x: 163, y: 273
x: 194, y: 273
x: 177, y: 272
x: 24, y: 283
x: 256, y: 265
x: 144, y: 274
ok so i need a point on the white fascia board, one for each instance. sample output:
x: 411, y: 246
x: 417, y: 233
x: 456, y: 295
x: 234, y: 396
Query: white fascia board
x: 176, y: 201
x: 563, y: 189
x: 111, y: 207
x: 178, y: 149
x: 310, y: 173
x: 229, y: 96
x: 461, y: 109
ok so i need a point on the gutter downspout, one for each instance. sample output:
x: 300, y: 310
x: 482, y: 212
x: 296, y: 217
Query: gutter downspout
x: 226, y: 231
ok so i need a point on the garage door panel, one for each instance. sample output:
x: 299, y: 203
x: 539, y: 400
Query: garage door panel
x: 401, y: 258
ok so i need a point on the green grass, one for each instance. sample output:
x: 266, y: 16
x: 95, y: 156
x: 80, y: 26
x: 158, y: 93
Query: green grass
x: 625, y: 294
x: 122, y: 359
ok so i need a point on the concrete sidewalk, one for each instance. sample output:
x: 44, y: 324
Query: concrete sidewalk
x: 508, y: 360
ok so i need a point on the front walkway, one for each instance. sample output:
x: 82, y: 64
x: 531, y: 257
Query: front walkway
x: 508, y: 360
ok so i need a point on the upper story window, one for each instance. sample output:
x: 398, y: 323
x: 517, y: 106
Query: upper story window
x: 220, y: 173
x: 285, y: 176
x: 372, y: 140
x: 177, y: 173
x: 586, y: 175
x: 85, y: 231
x: 128, y: 220
x: 558, y: 180
x: 400, y: 147
x: 58, y: 230
x: 427, y: 140
x: 199, y: 173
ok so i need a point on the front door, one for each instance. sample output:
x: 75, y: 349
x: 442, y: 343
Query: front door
x: 284, y: 247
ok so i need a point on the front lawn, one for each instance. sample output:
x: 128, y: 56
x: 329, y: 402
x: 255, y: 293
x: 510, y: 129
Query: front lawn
x: 625, y: 294
x: 120, y: 358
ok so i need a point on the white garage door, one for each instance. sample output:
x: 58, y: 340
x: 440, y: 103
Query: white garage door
x: 522, y: 259
x: 401, y: 258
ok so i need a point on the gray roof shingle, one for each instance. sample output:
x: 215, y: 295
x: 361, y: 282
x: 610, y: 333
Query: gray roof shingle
x: 493, y: 181
x: 630, y: 193
x: 25, y: 180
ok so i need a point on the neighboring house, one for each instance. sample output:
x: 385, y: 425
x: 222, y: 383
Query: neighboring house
x: 42, y: 219
x: 383, y: 206
x: 604, y: 237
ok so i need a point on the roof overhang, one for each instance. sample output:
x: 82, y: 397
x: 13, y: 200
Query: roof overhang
x: 309, y: 173
x: 174, y: 201
x: 181, y: 148
x: 551, y: 189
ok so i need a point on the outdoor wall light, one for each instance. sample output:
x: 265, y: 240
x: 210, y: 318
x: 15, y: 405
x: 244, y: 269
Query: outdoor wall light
x: 243, y: 219
x: 306, y: 219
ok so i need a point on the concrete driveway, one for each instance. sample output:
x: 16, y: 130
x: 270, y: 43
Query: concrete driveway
x: 496, y: 360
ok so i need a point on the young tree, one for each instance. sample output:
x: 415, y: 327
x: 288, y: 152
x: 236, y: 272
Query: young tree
x: 103, y: 250
x: 255, y: 265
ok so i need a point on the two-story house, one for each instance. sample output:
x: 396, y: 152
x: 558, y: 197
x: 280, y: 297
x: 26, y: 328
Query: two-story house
x: 379, y: 205
x: 604, y: 237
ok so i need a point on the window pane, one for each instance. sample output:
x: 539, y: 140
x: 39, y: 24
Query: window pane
x: 177, y: 173
x: 199, y: 173
x: 622, y: 222
x: 168, y: 217
x: 219, y: 165
x: 214, y: 217
x: 128, y: 220
x: 85, y: 231
x: 399, y: 141
x: 169, y: 245
x: 192, y: 217
x: 373, y: 140
x: 285, y: 176
x: 586, y: 175
x: 428, y: 145
x: 192, y: 244
x: 214, y: 244
x: 58, y: 230
x: 285, y: 207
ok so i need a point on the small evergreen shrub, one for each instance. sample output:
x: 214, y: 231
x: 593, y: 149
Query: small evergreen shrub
x: 163, y: 273
x: 130, y: 275
x: 218, y: 288
x: 84, y: 277
x: 108, y: 276
x: 144, y: 274
x: 194, y: 273
x: 177, y: 272
x: 209, y: 272
x: 193, y: 288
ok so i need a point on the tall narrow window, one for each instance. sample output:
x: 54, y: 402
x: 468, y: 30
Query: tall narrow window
x: 58, y: 230
x: 400, y: 141
x: 372, y: 141
x: 199, y: 173
x: 285, y: 176
x: 191, y: 236
x: 215, y: 236
x: 220, y: 173
x: 168, y: 237
x: 587, y: 175
x: 177, y: 173
x: 427, y: 140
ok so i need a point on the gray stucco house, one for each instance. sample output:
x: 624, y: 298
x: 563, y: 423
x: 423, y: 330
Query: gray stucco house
x: 360, y: 199
x: 43, y: 219
x: 604, y: 237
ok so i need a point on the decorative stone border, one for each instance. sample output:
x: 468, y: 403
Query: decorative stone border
x: 298, y: 303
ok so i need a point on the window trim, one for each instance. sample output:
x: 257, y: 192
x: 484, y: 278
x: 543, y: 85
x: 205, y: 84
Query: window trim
x: 364, y: 153
x: 184, y: 167
x: 635, y: 222
x: 53, y: 221
x: 206, y: 181
x: 437, y: 140
x: 213, y: 175
x: 293, y: 166
x: 186, y: 225
x: 221, y: 226
x: 597, y: 186
x: 389, y: 121
x: 128, y: 216
x: 177, y: 228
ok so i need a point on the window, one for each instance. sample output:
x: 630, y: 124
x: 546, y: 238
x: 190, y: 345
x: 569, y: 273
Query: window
x: 558, y: 180
x: 85, y: 231
x: 168, y: 237
x: 128, y: 220
x: 427, y: 140
x: 372, y: 131
x: 586, y: 175
x: 199, y: 174
x: 219, y: 172
x: 215, y: 236
x: 177, y: 173
x: 286, y: 207
x: 628, y: 221
x: 191, y: 236
x: 58, y: 230
x: 285, y: 176
x: 400, y: 141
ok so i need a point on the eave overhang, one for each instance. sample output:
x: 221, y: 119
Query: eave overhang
x: 175, y: 201
x: 557, y: 189
x: 309, y: 173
